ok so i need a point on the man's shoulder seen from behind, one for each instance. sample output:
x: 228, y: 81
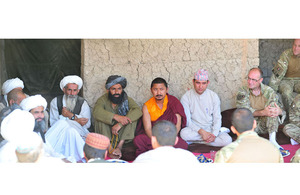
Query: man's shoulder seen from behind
x: 167, y: 154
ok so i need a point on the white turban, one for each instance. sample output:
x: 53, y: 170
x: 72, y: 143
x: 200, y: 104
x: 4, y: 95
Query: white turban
x: 11, y: 84
x: 33, y: 102
x: 17, y: 125
x: 71, y: 79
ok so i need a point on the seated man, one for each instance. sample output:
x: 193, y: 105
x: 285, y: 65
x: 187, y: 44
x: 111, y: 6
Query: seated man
x: 286, y: 74
x: 116, y: 115
x: 161, y: 106
x: 202, y: 110
x: 263, y: 102
x: 292, y: 129
x: 71, y: 112
x: 249, y: 147
x: 163, y: 138
x: 14, y: 97
x: 95, y: 148
x: 7, y: 87
x: 37, y: 105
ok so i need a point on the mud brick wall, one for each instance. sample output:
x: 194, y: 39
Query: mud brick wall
x: 176, y: 60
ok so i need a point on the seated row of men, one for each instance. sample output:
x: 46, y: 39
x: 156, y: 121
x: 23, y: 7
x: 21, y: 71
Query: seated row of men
x: 197, y: 116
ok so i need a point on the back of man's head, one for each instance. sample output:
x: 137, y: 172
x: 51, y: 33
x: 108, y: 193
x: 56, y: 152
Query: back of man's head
x: 242, y: 120
x: 15, y: 96
x: 95, y: 146
x: 159, y: 80
x: 165, y: 133
x: 30, y: 148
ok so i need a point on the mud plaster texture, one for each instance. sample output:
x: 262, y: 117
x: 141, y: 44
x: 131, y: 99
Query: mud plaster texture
x: 176, y: 60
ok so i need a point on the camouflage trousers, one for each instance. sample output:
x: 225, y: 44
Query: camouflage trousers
x: 296, y: 158
x: 292, y: 131
x: 266, y: 124
x: 286, y: 88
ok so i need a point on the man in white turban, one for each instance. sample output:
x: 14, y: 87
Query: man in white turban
x: 73, y: 113
x: 7, y: 87
x: 36, y: 105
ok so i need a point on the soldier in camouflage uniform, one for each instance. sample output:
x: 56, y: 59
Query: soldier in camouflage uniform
x: 286, y: 74
x: 263, y: 102
x: 292, y: 129
x: 249, y: 147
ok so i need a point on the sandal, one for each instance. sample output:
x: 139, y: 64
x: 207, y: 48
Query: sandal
x: 202, y: 159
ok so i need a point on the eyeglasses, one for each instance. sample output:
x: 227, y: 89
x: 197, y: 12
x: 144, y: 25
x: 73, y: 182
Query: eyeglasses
x: 255, y: 80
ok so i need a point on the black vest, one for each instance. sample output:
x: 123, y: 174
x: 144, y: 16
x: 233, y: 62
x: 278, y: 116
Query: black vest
x: 77, y: 108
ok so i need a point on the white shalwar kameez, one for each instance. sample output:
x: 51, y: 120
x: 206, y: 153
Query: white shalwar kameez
x: 66, y: 136
x: 203, y: 112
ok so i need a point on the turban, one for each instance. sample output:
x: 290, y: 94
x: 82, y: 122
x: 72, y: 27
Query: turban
x: 28, y: 143
x: 17, y: 125
x: 11, y: 84
x: 71, y: 79
x: 115, y: 79
x: 33, y: 102
x: 98, y: 141
x: 201, y: 75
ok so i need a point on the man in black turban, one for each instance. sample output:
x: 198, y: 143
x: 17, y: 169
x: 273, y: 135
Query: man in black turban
x: 116, y: 115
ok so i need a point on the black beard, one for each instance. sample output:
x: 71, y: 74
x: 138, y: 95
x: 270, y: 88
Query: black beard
x: 115, y: 100
x: 40, y: 125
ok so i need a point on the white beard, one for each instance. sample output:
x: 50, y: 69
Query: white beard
x: 71, y: 102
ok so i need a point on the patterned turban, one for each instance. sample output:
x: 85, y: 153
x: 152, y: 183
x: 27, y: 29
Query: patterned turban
x: 71, y: 79
x: 98, y: 141
x: 201, y: 75
x: 33, y: 102
x: 12, y: 84
x: 115, y: 79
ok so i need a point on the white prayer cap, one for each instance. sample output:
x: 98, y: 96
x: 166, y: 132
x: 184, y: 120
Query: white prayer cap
x: 71, y: 79
x: 28, y: 143
x: 11, y: 84
x: 17, y: 125
x: 33, y: 102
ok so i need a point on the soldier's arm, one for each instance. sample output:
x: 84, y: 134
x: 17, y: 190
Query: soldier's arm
x: 279, y: 70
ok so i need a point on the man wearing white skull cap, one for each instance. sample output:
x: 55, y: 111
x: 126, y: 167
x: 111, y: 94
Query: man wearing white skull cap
x: 71, y: 112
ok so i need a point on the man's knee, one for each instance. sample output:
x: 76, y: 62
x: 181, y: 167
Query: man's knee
x: 185, y: 133
x: 225, y: 138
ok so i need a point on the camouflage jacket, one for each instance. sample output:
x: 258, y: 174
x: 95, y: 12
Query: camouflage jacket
x: 223, y: 155
x: 294, y: 113
x: 243, y: 99
x: 278, y: 71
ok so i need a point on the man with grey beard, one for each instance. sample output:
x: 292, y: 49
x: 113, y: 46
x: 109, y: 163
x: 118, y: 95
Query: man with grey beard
x: 72, y: 116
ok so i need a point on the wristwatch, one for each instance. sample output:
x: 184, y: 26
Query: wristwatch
x: 73, y: 117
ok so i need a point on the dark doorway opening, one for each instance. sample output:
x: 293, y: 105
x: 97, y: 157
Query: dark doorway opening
x: 42, y: 63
